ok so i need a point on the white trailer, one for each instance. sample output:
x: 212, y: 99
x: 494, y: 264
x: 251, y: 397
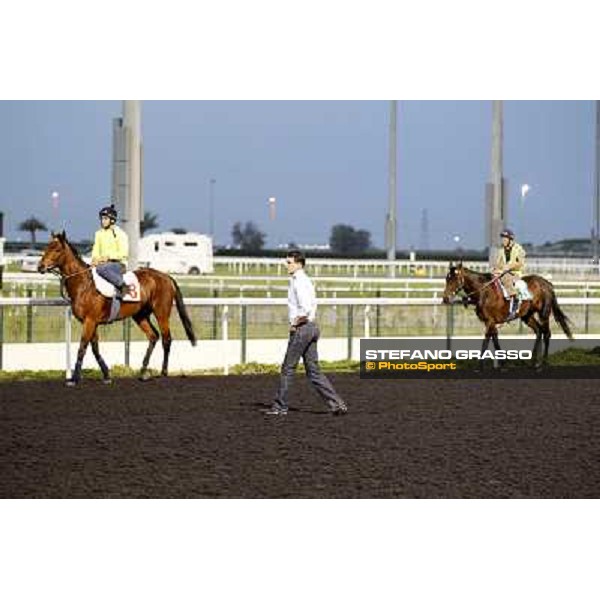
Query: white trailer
x: 187, y: 253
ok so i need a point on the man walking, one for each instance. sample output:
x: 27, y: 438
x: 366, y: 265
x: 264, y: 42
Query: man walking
x: 304, y: 333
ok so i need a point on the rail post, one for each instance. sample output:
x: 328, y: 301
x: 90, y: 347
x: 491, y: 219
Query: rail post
x: 127, y: 340
x: 449, y: 325
x: 225, y: 332
x: 68, y: 337
x: 29, y: 317
x: 1, y: 335
x: 587, y: 312
x: 243, y: 333
x: 377, y: 314
x: 350, y: 330
x: 215, y: 294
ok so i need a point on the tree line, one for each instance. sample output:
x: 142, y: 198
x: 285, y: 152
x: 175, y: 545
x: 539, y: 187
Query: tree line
x: 343, y: 239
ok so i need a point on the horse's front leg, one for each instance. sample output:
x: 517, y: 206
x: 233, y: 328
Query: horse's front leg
x: 484, y: 345
x: 87, y: 333
x: 496, y: 342
x: 103, y: 366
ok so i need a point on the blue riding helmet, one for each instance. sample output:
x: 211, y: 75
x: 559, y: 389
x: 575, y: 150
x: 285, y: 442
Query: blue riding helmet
x: 110, y: 212
x: 508, y: 233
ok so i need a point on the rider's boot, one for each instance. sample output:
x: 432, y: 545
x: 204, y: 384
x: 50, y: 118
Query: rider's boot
x: 122, y: 290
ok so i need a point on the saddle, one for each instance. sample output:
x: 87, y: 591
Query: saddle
x: 108, y: 290
x: 523, y: 292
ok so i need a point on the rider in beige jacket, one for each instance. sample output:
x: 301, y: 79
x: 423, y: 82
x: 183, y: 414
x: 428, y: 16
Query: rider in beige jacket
x: 510, y: 264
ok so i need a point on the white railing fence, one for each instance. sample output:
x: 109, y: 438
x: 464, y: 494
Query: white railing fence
x: 235, y: 349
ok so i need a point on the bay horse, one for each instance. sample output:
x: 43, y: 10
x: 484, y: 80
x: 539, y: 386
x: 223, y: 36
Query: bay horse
x: 483, y: 291
x: 90, y: 308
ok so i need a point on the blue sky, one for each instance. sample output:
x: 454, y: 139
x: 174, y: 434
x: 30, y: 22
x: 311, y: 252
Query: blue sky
x: 326, y: 162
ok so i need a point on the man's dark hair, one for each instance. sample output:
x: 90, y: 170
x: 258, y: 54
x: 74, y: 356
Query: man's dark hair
x: 297, y: 256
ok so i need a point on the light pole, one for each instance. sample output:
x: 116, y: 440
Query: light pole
x: 211, y: 208
x: 391, y: 228
x: 272, y: 202
x: 55, y: 200
x: 524, y: 191
x: 457, y: 239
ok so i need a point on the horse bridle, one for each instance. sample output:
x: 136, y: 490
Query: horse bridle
x: 462, y: 284
x: 55, y: 270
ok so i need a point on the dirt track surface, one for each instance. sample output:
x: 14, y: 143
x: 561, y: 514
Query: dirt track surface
x: 206, y: 437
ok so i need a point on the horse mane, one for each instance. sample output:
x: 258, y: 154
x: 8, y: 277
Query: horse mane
x: 479, y: 274
x: 71, y: 247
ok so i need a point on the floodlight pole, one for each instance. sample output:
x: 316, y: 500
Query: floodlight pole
x: 127, y: 185
x: 496, y: 196
x: 392, y: 192
x: 596, y: 229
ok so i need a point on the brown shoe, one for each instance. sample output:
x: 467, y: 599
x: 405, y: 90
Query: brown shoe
x: 340, y: 410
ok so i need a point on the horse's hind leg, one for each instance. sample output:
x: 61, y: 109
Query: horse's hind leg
x: 165, y: 333
x: 103, y: 366
x: 87, y: 333
x: 532, y: 322
x: 545, y: 326
x: 148, y: 328
x: 547, y: 334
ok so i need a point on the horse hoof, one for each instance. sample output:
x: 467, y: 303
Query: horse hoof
x: 71, y: 382
x: 145, y: 377
x: 107, y: 381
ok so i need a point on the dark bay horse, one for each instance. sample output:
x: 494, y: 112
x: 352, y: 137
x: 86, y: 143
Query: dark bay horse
x: 483, y: 291
x: 157, y: 293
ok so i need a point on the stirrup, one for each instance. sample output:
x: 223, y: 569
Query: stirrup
x: 513, y: 309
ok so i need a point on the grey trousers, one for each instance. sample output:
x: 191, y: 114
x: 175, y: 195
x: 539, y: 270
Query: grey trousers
x: 112, y: 272
x: 303, y: 343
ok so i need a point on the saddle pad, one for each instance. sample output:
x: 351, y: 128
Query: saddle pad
x: 109, y: 291
x: 502, y: 289
x: 522, y: 290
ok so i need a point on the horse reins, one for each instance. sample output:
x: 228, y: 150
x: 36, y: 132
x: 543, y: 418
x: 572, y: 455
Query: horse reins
x: 493, y: 280
x: 63, y: 279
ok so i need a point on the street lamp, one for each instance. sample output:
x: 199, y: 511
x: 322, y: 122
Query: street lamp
x: 524, y: 191
x: 457, y: 239
x: 211, y: 208
x: 55, y: 200
x: 272, y: 204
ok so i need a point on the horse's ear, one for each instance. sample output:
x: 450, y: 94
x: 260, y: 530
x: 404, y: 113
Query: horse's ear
x: 451, y: 265
x: 459, y: 265
x: 63, y: 234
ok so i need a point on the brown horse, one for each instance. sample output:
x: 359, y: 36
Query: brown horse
x: 483, y: 291
x: 157, y: 292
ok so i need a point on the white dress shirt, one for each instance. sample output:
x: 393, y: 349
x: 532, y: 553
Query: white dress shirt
x: 302, y: 300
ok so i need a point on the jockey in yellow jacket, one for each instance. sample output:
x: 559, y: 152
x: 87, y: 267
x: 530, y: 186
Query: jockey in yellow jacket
x: 111, y: 249
x: 510, y: 264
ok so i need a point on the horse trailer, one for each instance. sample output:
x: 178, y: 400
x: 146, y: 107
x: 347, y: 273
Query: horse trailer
x: 185, y: 253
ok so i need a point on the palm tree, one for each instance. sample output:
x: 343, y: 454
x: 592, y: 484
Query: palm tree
x: 32, y: 225
x: 150, y: 221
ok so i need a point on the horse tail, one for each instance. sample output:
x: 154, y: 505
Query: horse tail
x: 560, y: 317
x: 183, y: 314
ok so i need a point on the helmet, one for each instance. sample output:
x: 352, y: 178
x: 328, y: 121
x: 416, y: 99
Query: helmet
x: 109, y: 211
x: 509, y: 233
